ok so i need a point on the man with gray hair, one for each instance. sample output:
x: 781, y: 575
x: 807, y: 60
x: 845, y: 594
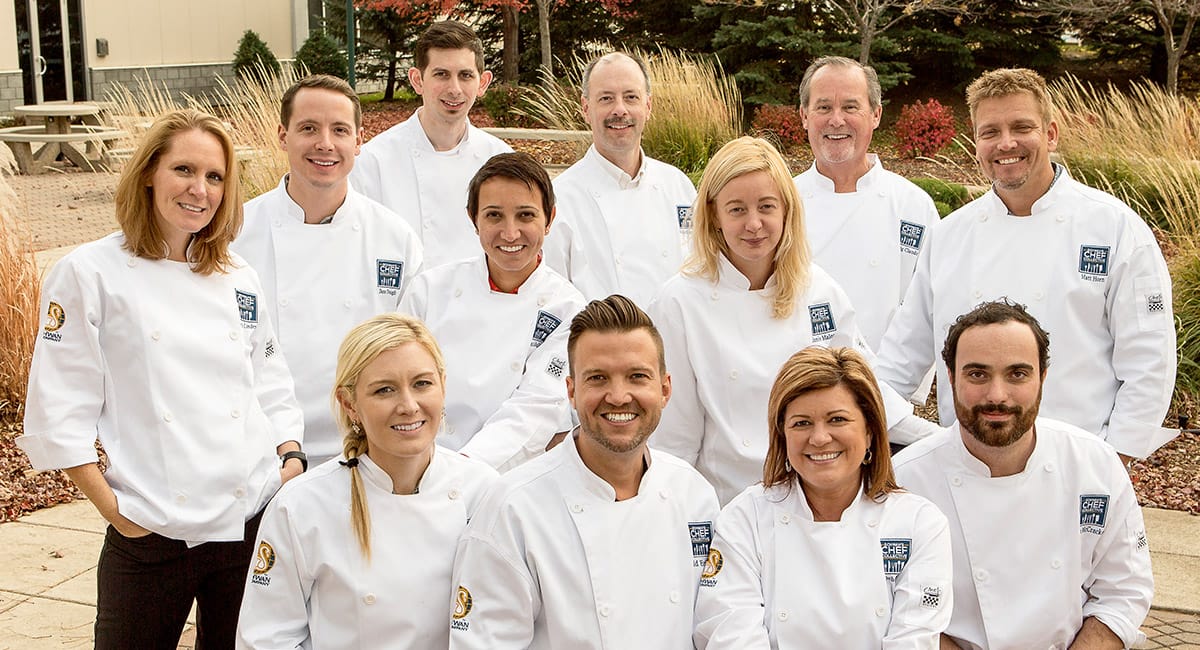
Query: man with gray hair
x: 865, y: 224
x: 623, y: 217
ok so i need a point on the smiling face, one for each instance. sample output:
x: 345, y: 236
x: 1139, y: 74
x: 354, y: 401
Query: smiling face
x: 512, y: 225
x: 398, y: 402
x: 320, y: 139
x: 449, y: 84
x: 616, y: 107
x: 997, y: 384
x: 827, y: 440
x: 1013, y: 144
x: 188, y: 185
x: 750, y: 216
x: 617, y: 390
x: 839, y: 118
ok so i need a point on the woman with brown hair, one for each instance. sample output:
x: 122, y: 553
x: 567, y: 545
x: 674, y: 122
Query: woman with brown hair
x: 155, y: 344
x: 827, y: 551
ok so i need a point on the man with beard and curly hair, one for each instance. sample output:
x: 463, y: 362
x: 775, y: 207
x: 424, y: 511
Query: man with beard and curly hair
x: 1049, y: 544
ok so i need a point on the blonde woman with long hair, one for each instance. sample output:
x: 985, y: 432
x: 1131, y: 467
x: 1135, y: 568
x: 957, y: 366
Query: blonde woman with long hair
x: 748, y: 297
x: 358, y: 553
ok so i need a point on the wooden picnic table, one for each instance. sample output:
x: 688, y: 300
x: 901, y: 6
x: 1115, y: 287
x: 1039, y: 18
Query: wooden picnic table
x: 51, y: 123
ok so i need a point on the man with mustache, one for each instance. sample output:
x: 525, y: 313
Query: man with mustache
x: 1049, y: 544
x: 601, y: 542
x: 1085, y: 264
x: 624, y: 219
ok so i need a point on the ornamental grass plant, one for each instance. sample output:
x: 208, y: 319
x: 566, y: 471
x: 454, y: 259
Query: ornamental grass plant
x: 20, y: 289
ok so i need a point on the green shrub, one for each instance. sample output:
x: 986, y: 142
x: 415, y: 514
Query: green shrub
x: 320, y: 55
x: 253, y: 57
x: 1185, y: 281
x: 504, y: 104
x: 946, y: 195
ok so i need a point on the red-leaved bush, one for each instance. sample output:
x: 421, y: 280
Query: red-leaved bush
x: 783, y: 121
x: 924, y: 128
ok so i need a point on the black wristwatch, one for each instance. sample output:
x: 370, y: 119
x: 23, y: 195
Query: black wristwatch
x: 299, y: 455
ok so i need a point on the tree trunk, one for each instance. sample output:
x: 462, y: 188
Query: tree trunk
x: 389, y: 91
x: 543, y: 7
x: 864, y: 47
x: 1173, y: 56
x: 512, y: 43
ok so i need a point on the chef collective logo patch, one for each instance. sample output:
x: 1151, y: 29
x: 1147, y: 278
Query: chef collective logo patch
x: 462, y: 606
x: 683, y: 214
x: 247, y: 307
x: 895, y: 555
x: 700, y: 533
x: 264, y: 560
x: 911, y: 235
x: 1093, y: 262
x: 821, y: 318
x: 1093, y: 513
x: 387, y: 276
x: 712, y: 566
x: 56, y: 316
x: 545, y: 325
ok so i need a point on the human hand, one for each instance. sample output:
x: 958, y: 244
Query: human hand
x: 290, y: 470
x: 127, y: 528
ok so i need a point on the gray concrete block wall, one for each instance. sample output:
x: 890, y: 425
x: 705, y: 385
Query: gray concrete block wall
x: 194, y: 80
x: 12, y: 91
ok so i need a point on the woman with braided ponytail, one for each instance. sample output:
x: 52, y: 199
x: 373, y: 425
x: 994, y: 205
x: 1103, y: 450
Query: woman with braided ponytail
x: 358, y: 553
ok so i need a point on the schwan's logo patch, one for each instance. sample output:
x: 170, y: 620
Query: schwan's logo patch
x: 911, y: 235
x: 387, y: 276
x: 264, y: 561
x: 1093, y: 513
x: 56, y: 316
x: 546, y: 323
x: 701, y: 535
x: 247, y: 307
x: 823, y: 326
x: 895, y: 555
x: 712, y: 566
x: 1093, y: 262
x: 463, y: 602
x: 683, y: 214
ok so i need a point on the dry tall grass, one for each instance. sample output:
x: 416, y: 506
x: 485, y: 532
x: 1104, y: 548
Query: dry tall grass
x: 697, y: 107
x: 20, y: 288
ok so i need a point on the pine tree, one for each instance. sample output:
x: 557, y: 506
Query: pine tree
x: 320, y: 55
x: 253, y: 58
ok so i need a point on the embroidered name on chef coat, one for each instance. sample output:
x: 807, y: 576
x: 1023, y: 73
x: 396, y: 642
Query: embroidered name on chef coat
x: 712, y: 566
x: 895, y: 555
x: 387, y: 276
x: 701, y: 535
x: 1093, y: 262
x: 55, y: 317
x: 546, y: 323
x: 821, y: 317
x: 264, y: 560
x: 911, y: 235
x: 462, y: 606
x: 247, y: 308
x: 1093, y: 512
x: 683, y: 214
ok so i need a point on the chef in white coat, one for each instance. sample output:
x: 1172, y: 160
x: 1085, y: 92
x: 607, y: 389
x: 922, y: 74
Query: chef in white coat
x: 502, y: 319
x: 746, y: 301
x: 865, y: 224
x: 600, y: 542
x: 827, y: 550
x: 156, y: 343
x: 420, y: 167
x: 1050, y: 549
x: 1084, y: 263
x: 358, y: 554
x: 328, y: 256
x: 624, y: 217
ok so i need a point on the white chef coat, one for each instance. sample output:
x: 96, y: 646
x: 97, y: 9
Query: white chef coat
x: 878, y: 578
x: 319, y: 281
x: 428, y: 188
x: 179, y: 376
x: 552, y: 560
x: 868, y: 239
x: 309, y: 585
x: 1090, y: 271
x: 506, y: 358
x: 616, y: 234
x: 723, y: 350
x: 1037, y: 552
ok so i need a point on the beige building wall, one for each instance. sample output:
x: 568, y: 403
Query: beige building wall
x: 8, y: 38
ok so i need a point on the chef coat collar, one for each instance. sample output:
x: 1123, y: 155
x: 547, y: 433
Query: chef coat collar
x: 1044, y: 203
x: 428, y: 144
x: 874, y: 173
x: 797, y: 503
x: 731, y: 278
x: 294, y: 211
x: 593, y: 484
x: 624, y: 180
x: 980, y: 468
x: 375, y: 474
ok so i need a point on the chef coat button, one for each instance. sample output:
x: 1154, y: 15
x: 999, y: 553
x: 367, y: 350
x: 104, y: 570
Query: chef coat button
x: 239, y: 493
x: 879, y: 611
x: 1038, y: 295
x: 155, y: 335
x: 167, y: 416
x: 452, y: 494
x: 1056, y: 563
x: 733, y: 374
x: 235, y: 414
x: 604, y: 610
x: 674, y: 597
x: 516, y: 367
x: 783, y: 615
x: 575, y: 507
x: 981, y: 575
x: 283, y: 302
x: 665, y: 253
x: 233, y: 335
x: 872, y: 524
x: 542, y: 301
x: 983, y: 217
x: 131, y: 262
x: 617, y: 261
x: 278, y: 223
x: 663, y: 494
x: 1049, y: 467
x: 978, y: 293
x: 369, y: 599
x: 180, y: 499
x: 874, y: 262
x: 1060, y: 218
x: 745, y: 442
x: 458, y: 293
x: 715, y: 295
x: 785, y: 519
x: 427, y: 223
x: 356, y: 227
x: 956, y: 481
x: 347, y: 304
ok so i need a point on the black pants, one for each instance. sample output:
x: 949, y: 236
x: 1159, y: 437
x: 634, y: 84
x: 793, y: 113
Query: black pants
x: 146, y: 586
